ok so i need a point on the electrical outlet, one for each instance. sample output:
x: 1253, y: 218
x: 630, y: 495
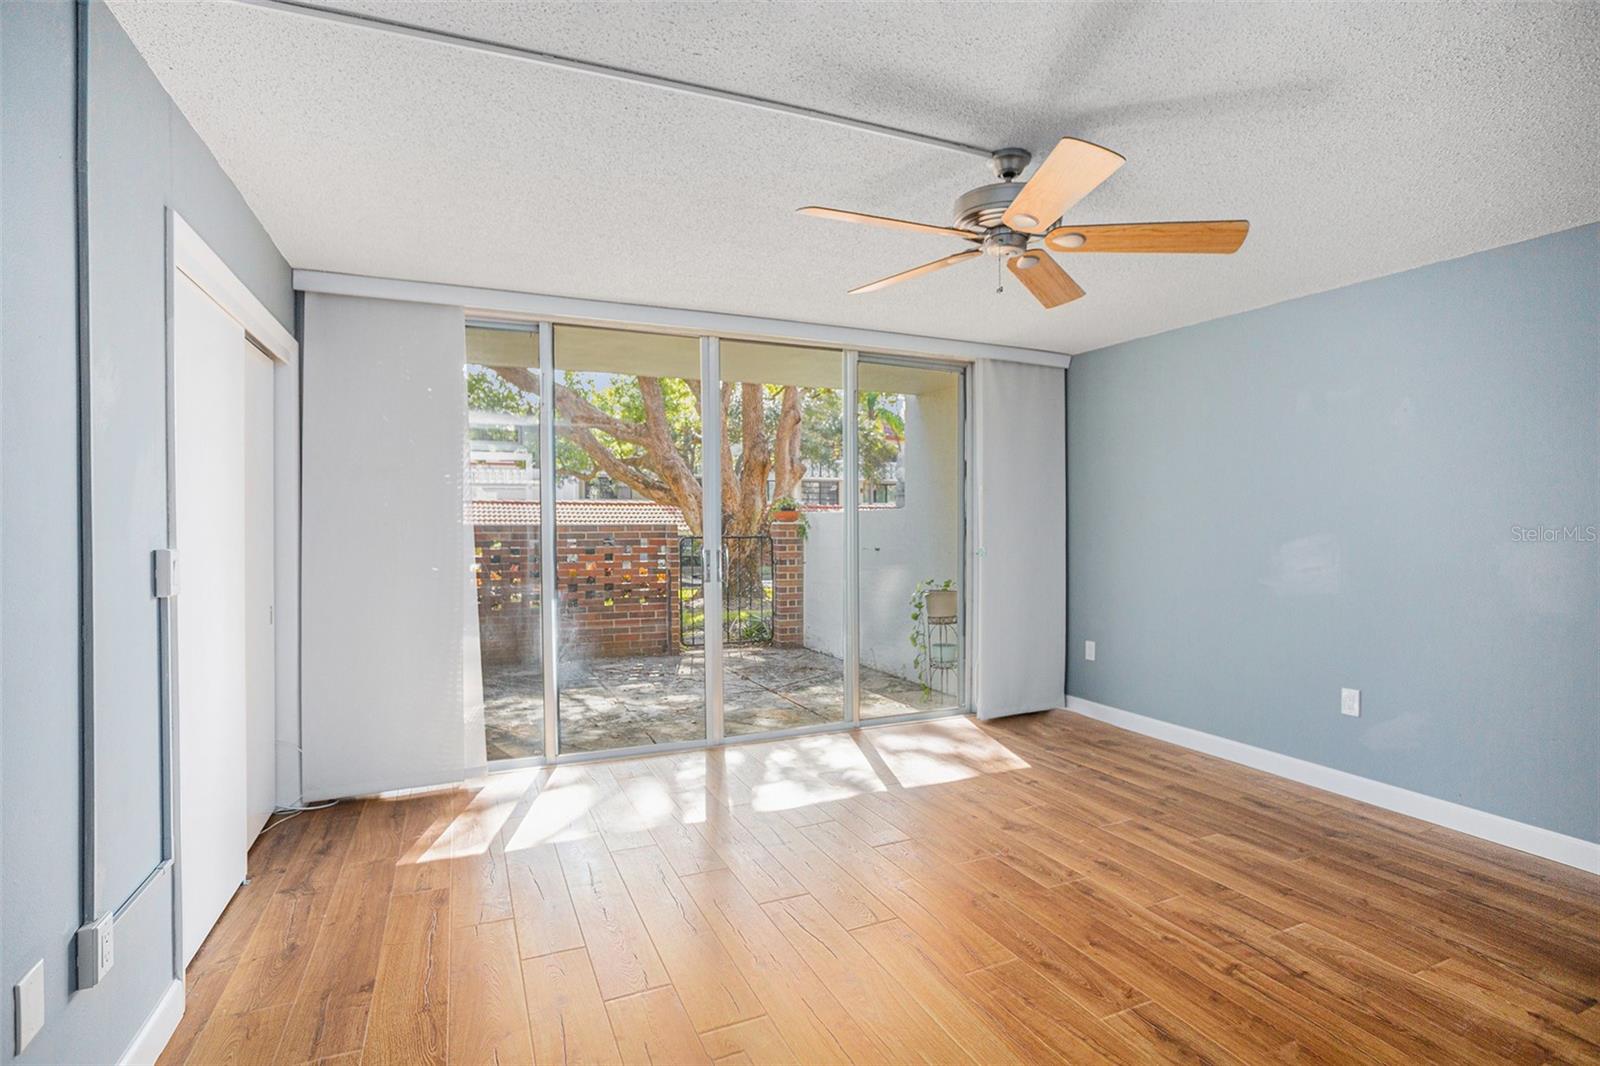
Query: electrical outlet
x: 29, y: 1003
x: 95, y: 952
x: 1088, y: 650
x: 1350, y: 702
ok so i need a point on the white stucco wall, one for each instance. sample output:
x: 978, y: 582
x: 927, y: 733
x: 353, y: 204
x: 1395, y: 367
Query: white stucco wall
x: 900, y: 546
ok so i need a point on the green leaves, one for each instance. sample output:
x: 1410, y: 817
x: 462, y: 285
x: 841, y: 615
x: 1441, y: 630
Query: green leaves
x: 488, y: 391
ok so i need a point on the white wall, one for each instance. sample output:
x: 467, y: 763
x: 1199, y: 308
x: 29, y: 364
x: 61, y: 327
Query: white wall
x: 900, y: 546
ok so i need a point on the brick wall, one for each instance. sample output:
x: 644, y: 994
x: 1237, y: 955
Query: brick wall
x: 506, y: 569
x: 788, y: 585
x: 618, y: 586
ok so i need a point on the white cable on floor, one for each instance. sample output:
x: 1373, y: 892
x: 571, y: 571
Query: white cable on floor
x: 294, y: 812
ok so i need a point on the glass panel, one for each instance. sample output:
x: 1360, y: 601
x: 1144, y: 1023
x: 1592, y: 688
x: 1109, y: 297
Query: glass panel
x: 502, y: 457
x: 909, y: 441
x: 628, y: 510
x: 783, y: 531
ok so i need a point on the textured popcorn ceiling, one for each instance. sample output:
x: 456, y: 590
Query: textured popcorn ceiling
x: 1359, y: 140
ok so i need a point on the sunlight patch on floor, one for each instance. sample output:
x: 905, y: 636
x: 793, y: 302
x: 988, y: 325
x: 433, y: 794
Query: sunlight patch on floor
x: 557, y: 813
x: 550, y: 805
x: 932, y: 753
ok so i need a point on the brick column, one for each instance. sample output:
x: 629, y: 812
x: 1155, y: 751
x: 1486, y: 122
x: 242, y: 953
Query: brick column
x: 788, y: 585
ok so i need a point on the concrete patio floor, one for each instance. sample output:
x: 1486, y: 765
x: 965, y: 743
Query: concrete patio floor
x: 629, y: 702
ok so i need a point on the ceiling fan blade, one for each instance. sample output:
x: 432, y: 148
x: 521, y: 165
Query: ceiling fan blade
x: 915, y: 272
x: 1215, y: 238
x: 1043, y: 277
x: 888, y: 223
x: 1070, y: 172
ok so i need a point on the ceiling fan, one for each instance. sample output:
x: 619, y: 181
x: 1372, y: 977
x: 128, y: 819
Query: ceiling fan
x: 1004, y: 219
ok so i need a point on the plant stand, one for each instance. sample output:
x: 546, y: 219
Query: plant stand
x: 942, y: 638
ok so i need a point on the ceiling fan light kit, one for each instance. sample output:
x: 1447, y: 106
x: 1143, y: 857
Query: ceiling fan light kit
x: 1003, y: 218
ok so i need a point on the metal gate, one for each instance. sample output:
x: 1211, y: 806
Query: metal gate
x: 746, y: 591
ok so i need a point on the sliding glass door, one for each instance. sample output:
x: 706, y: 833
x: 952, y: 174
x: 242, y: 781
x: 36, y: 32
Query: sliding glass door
x: 783, y: 626
x: 502, y: 454
x: 628, y: 523
x: 680, y: 539
x: 910, y: 474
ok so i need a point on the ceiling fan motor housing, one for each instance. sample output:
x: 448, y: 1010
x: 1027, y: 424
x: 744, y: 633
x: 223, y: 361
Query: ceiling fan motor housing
x: 982, y: 208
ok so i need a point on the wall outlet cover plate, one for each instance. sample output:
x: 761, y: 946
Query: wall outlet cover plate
x: 95, y: 951
x: 1350, y: 702
x: 29, y: 993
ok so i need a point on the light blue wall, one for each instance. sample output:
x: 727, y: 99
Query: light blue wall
x: 38, y: 502
x: 1327, y: 493
x: 142, y: 157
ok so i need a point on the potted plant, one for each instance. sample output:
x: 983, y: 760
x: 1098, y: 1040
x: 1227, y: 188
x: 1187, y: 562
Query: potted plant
x: 785, y: 509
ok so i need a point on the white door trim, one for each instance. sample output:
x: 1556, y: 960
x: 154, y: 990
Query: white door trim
x: 194, y: 257
x: 190, y: 255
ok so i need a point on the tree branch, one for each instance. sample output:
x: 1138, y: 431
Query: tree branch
x: 617, y: 468
x: 574, y: 408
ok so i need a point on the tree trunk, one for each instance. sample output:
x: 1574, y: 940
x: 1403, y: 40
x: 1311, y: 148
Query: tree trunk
x: 788, y: 469
x: 661, y: 474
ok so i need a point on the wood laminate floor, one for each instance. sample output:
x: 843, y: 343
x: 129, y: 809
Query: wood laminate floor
x: 1044, y: 889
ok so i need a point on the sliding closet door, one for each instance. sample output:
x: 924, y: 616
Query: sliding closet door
x: 222, y: 501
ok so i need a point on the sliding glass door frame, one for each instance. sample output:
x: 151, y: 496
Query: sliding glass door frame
x: 850, y: 497
x: 549, y: 588
x: 714, y: 559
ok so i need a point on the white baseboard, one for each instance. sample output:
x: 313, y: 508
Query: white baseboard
x: 152, y: 1037
x: 1570, y: 851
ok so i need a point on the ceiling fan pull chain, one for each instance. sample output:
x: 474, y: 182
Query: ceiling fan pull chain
x: 999, y: 277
